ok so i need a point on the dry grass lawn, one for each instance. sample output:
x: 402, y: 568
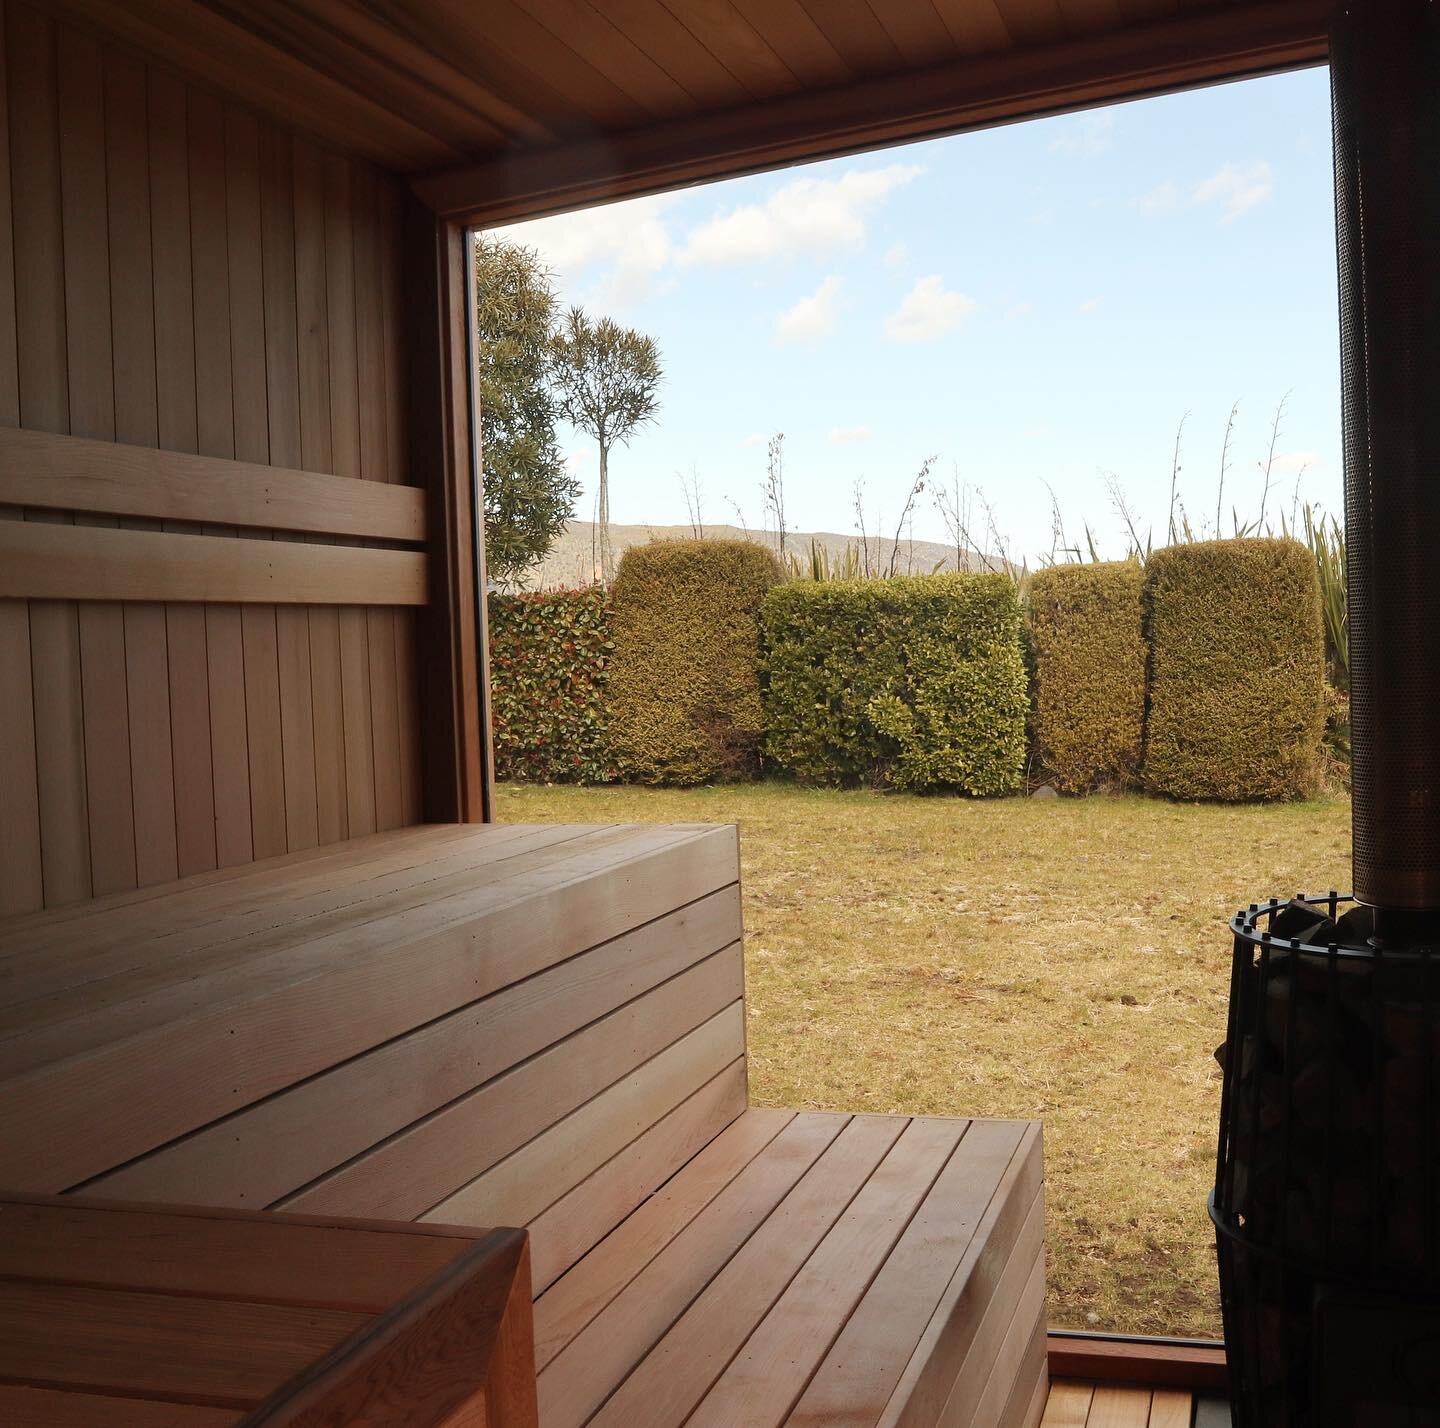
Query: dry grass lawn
x: 1061, y: 959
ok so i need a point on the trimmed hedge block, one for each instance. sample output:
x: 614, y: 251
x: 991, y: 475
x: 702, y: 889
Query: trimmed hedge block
x: 1089, y: 650
x: 915, y: 683
x: 685, y: 686
x: 1237, y: 672
x: 550, y: 656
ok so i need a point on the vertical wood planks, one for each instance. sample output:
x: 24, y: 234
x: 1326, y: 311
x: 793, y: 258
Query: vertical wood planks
x: 176, y: 272
x: 314, y: 366
x: 252, y: 443
x: 177, y: 426
x: 90, y: 365
x: 21, y: 884
x: 215, y: 429
x: 36, y: 206
x: 132, y: 337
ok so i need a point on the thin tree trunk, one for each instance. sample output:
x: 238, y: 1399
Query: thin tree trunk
x: 607, y: 563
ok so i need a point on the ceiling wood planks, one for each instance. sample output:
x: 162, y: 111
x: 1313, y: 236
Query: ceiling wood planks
x: 478, y: 100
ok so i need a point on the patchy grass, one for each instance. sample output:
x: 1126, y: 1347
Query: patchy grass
x: 1062, y: 959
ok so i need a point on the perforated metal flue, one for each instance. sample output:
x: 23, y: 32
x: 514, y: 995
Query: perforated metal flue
x: 1385, y: 77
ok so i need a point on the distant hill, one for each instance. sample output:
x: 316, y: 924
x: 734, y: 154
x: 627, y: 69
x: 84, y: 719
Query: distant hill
x: 573, y: 560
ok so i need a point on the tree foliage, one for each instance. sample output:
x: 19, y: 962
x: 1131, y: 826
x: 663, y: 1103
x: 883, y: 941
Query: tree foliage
x: 529, y: 492
x: 608, y: 380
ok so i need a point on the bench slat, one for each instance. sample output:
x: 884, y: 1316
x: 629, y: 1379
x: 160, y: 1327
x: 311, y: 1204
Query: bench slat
x: 219, y: 1352
x: 941, y: 1356
x: 535, y: 1176
x: 587, y: 1213
x: 595, y: 1282
x: 275, y: 1261
x: 425, y: 1165
x: 54, y: 1408
x: 272, y: 1149
x: 739, y: 1252
x: 785, y: 1347
x: 84, y: 980
x: 99, y: 1093
x: 861, y: 1370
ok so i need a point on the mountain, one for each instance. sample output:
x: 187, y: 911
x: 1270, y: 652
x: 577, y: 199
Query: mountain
x: 574, y: 558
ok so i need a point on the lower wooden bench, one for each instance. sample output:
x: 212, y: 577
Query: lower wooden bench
x: 814, y: 1269
x: 127, y: 1317
x: 541, y: 1027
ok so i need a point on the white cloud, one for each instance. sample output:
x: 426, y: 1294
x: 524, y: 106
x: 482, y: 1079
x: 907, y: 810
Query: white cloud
x: 1237, y: 188
x: 848, y: 435
x: 929, y: 310
x: 1090, y: 305
x: 1164, y: 198
x: 896, y: 255
x: 811, y: 318
x: 629, y: 241
x: 1020, y: 309
x: 1085, y: 135
x: 1292, y: 463
x: 756, y: 438
x: 815, y: 217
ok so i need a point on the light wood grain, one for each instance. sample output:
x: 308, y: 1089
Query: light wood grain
x: 71, y: 473
x: 56, y: 562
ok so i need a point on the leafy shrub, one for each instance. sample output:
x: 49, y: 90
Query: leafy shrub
x: 685, y: 687
x: 1089, y: 673
x: 1237, y: 652
x: 916, y: 682
x: 550, y: 657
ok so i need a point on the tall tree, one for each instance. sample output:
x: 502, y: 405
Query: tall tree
x: 529, y: 491
x: 608, y: 378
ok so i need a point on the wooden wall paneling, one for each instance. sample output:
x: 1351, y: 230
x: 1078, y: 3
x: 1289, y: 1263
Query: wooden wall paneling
x: 9, y: 359
x: 90, y: 365
x: 356, y: 722
x: 252, y: 443
x: 315, y: 436
x: 282, y: 372
x: 177, y: 424
x: 215, y: 428
x: 392, y: 331
x: 21, y: 882
x: 375, y: 465
x: 132, y: 340
x: 44, y: 402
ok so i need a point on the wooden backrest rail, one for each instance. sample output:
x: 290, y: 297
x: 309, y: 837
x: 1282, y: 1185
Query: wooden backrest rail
x: 72, y: 473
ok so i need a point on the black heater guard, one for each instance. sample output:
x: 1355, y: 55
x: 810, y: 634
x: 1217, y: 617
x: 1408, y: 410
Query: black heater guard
x: 1326, y: 1182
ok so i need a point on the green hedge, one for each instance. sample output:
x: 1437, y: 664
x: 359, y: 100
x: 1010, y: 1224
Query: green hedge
x: 916, y: 683
x: 1237, y: 671
x: 550, y: 659
x: 1085, y: 632
x: 685, y: 687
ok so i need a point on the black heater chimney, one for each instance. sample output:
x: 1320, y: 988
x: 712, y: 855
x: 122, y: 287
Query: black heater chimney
x: 1327, y: 1187
x: 1385, y: 77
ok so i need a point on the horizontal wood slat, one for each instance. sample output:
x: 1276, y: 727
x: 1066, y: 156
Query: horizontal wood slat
x: 71, y: 473
x: 59, y: 562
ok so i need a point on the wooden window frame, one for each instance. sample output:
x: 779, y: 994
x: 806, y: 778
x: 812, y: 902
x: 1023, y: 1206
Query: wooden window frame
x: 457, y: 755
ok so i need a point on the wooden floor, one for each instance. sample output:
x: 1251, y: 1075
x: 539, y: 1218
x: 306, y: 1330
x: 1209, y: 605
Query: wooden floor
x: 1092, y: 1405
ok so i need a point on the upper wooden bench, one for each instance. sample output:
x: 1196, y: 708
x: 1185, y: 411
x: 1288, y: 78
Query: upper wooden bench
x: 540, y: 1027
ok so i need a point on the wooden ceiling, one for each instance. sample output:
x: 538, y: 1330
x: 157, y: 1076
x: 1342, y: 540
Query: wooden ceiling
x: 500, y: 107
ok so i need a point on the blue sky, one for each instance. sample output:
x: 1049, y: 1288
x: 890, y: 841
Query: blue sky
x: 1038, y: 303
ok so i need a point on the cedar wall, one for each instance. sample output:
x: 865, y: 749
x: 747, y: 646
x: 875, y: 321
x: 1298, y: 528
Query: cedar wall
x: 175, y: 272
